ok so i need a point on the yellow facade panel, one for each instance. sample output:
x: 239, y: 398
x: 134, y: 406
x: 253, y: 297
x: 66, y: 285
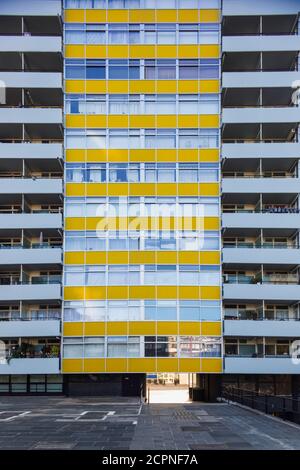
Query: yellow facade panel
x: 142, y: 86
x: 142, y: 189
x: 209, y: 86
x: 166, y: 189
x: 188, y: 257
x: 74, y: 293
x: 210, y: 293
x: 75, y: 189
x: 209, y: 51
x: 163, y: 292
x: 117, y: 155
x: 188, y: 292
x: 74, y: 16
x: 188, y: 189
x: 117, y: 121
x: 94, y: 366
x: 75, y: 121
x: 188, y: 155
x: 117, y: 86
x: 95, y: 293
x: 188, y: 86
x: 188, y: 16
x: 74, y: 223
x: 95, y: 51
x: 74, y: 155
x: 95, y: 16
x: 96, y: 257
x: 117, y: 328
x: 210, y: 16
x: 190, y: 51
x: 210, y: 257
x: 73, y: 329
x: 116, y: 365
x: 117, y: 257
x: 189, y: 365
x: 142, y: 257
x: 166, y: 121
x: 142, y: 16
x: 117, y: 52
x: 94, y: 328
x: 146, y: 51
x: 140, y: 121
x: 143, y: 364
x: 75, y: 51
x: 75, y: 86
x: 166, y: 257
x: 189, y: 328
x: 74, y: 257
x: 117, y: 189
x: 96, y: 121
x: 209, y: 155
x: 165, y: 52
x: 95, y: 86
x: 167, y: 328
x: 166, y: 86
x: 209, y: 189
x: 143, y: 328
x: 188, y: 120
x: 163, y: 155
x: 117, y: 292
x: 117, y: 16
x: 72, y: 366
x: 211, y: 328
x: 142, y: 292
x: 166, y: 16
x: 212, y: 365
x: 209, y: 121
x: 167, y: 365
x: 95, y: 189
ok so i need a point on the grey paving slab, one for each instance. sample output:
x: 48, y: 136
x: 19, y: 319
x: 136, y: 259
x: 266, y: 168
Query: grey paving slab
x: 110, y: 424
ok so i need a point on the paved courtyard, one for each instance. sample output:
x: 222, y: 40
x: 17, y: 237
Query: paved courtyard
x: 106, y: 424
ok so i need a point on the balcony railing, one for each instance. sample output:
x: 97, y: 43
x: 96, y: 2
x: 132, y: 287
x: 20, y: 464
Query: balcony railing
x: 31, y: 315
x: 253, y: 279
x: 257, y: 245
x: 269, y: 210
x: 14, y: 281
x: 22, y: 353
x: 259, y: 315
x: 238, y: 175
x: 19, y: 246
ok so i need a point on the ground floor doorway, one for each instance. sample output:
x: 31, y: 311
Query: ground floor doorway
x: 169, y: 388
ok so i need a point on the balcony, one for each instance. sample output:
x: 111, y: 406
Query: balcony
x: 260, y: 365
x: 41, y: 220
x: 31, y: 185
x: 253, y: 292
x: 31, y: 366
x: 261, y: 115
x: 32, y: 328
x: 264, y: 43
x: 30, y: 115
x: 266, y: 255
x: 248, y: 185
x: 32, y: 292
x: 33, y: 150
x: 263, y: 220
x: 259, y: 79
x: 35, y: 255
x: 30, y: 43
x: 30, y: 315
x: 258, y: 328
x: 31, y: 79
x: 259, y: 150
